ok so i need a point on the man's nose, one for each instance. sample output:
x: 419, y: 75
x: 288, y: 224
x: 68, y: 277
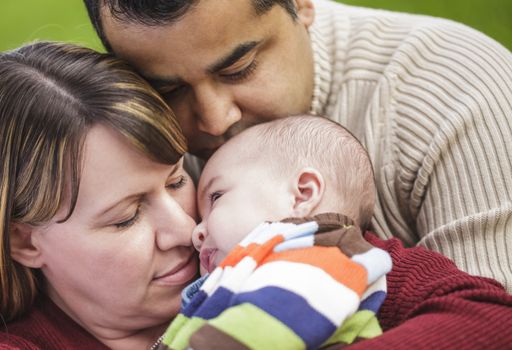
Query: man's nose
x: 199, y: 235
x: 215, y: 109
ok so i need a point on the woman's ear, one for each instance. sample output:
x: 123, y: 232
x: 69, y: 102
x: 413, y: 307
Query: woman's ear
x: 305, y: 10
x: 309, y: 189
x: 22, y: 247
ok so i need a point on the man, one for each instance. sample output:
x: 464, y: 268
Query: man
x: 430, y: 99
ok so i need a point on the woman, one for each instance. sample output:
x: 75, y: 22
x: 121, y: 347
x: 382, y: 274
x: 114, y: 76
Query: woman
x: 115, y: 263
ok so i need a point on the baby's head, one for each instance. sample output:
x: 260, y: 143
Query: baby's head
x: 292, y: 167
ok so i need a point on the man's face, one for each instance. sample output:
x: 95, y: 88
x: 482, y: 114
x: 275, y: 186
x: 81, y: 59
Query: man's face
x: 221, y: 67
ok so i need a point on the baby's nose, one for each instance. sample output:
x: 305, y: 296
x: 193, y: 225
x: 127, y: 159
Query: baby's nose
x: 199, y: 235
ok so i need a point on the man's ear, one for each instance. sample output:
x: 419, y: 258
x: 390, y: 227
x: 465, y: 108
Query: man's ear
x: 22, y: 247
x: 309, y: 189
x: 305, y: 10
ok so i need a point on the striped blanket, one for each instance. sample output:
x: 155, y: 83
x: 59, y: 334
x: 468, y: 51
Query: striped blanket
x: 288, y: 286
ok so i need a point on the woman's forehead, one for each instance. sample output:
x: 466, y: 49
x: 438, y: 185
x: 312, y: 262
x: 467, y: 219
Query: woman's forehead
x: 113, y: 167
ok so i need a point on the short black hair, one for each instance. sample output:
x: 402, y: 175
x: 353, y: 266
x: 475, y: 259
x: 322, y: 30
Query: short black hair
x: 159, y: 12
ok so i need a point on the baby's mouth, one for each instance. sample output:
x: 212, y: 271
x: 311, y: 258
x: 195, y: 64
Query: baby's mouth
x: 207, y: 258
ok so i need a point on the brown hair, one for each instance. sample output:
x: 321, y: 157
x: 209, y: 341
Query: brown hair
x: 50, y: 96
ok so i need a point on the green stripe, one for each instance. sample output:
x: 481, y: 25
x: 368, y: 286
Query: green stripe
x: 363, y: 324
x: 256, y: 329
x: 179, y: 332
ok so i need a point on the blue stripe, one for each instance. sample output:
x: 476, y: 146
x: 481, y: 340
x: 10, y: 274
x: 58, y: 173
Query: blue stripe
x: 191, y: 308
x: 373, y: 301
x: 214, y: 305
x: 293, y: 310
x: 190, y: 291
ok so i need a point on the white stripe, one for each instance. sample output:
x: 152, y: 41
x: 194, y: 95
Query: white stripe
x: 329, y: 297
x: 376, y: 261
x: 296, y: 243
x: 265, y: 231
x: 380, y: 285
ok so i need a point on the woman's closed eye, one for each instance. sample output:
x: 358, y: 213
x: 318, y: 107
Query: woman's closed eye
x: 129, y: 222
x: 177, y: 183
x: 241, y: 74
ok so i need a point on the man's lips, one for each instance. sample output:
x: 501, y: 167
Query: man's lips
x: 207, y: 258
x: 181, y: 273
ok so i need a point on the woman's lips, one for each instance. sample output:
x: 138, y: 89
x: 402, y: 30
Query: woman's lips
x: 207, y: 258
x: 181, y: 274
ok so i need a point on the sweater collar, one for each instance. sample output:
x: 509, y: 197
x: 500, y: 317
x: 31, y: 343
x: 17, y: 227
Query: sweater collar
x: 322, y: 75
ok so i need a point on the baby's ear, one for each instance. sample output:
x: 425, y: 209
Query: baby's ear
x: 309, y: 191
x: 22, y: 248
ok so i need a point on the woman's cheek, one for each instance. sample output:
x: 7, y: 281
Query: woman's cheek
x: 187, y: 200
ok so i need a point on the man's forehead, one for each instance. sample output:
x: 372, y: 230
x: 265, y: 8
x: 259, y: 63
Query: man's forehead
x: 202, y: 36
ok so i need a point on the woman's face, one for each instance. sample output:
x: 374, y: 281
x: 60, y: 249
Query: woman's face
x: 119, y: 263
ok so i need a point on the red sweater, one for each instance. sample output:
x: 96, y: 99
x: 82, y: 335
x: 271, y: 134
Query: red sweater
x: 47, y: 327
x: 430, y: 305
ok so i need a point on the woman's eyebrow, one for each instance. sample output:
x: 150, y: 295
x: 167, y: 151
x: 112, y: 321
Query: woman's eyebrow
x: 131, y: 198
x: 233, y: 56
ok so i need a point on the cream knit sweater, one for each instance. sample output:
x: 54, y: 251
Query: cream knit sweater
x: 432, y: 101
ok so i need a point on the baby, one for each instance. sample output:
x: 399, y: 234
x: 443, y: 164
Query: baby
x: 307, y: 281
x: 293, y: 167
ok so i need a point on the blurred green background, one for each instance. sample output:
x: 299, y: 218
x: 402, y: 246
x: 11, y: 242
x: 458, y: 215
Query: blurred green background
x: 23, y: 21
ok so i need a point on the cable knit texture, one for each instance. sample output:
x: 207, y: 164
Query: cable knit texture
x: 433, y: 305
x: 432, y: 102
x: 48, y: 328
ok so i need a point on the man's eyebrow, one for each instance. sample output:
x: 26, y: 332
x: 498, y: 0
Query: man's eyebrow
x: 233, y: 56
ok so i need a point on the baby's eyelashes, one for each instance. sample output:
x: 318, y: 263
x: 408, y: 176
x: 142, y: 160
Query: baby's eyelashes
x: 214, y: 196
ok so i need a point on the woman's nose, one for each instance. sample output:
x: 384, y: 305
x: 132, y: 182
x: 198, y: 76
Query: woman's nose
x: 216, y: 111
x: 199, y: 235
x: 174, y: 225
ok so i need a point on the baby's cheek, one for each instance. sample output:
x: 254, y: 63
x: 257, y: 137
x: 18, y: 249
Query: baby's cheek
x: 221, y: 230
x: 219, y: 257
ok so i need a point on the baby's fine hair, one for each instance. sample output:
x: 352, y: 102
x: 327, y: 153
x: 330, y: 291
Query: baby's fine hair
x: 312, y: 141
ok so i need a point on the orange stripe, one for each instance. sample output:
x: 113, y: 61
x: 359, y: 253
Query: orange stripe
x: 233, y: 257
x: 266, y: 249
x: 332, y: 261
x: 257, y: 251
